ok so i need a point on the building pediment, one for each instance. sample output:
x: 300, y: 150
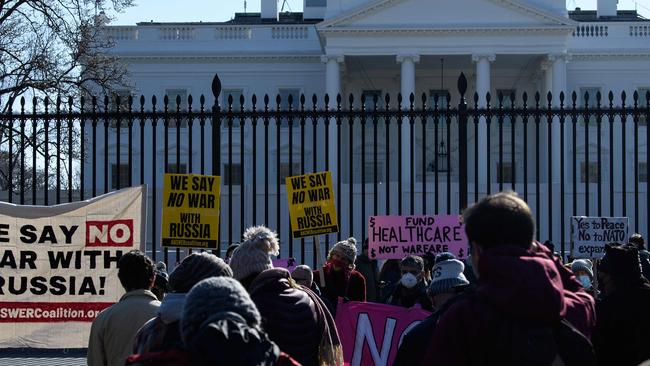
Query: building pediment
x: 435, y: 14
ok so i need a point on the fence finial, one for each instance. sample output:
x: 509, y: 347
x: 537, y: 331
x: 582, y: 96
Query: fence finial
x: 216, y: 86
x: 462, y: 84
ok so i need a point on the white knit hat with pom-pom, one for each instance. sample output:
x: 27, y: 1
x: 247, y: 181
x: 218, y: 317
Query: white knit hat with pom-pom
x: 252, y: 256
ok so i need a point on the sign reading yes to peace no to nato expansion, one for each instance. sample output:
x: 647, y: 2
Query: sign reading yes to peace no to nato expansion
x: 191, y: 211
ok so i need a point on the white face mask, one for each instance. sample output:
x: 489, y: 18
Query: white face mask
x: 585, y: 281
x: 408, y: 280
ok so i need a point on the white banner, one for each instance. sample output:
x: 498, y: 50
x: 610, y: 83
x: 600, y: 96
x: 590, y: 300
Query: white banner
x: 590, y: 234
x: 58, y: 266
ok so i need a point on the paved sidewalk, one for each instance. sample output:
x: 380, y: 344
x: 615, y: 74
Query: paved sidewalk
x: 42, y: 357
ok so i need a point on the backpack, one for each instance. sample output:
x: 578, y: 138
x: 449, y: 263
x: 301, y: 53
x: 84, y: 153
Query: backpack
x: 558, y: 345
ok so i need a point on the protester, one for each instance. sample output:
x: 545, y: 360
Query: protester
x: 429, y: 261
x: 303, y: 276
x: 294, y: 317
x: 222, y: 326
x: 443, y: 291
x: 163, y: 333
x: 231, y: 249
x: 583, y: 270
x: 341, y: 279
x: 370, y: 271
x: 112, y: 332
x: 644, y: 256
x: 412, y: 288
x: 389, y: 277
x: 160, y: 284
x: 622, y: 332
x: 515, y: 316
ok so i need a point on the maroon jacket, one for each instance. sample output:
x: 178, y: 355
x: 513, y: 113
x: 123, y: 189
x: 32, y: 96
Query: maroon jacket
x: 336, y: 286
x: 527, y: 286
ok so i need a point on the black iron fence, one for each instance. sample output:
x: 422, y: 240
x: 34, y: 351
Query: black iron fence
x: 577, y: 155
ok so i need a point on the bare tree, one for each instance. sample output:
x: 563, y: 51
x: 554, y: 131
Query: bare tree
x: 56, y: 48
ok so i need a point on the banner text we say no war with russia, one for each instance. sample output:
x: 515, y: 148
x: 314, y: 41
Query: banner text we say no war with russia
x: 58, y: 266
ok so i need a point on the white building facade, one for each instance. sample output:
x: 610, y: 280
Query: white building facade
x: 379, y: 47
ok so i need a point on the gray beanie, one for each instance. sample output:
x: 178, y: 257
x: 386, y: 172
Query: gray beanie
x: 252, y: 255
x: 583, y: 265
x: 413, y: 261
x: 303, y: 274
x: 213, y: 296
x: 196, y: 267
x: 346, y: 249
x: 444, y: 256
x: 446, y: 276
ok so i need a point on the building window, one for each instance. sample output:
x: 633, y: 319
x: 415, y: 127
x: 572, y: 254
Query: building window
x: 593, y: 172
x: 591, y: 103
x: 232, y: 171
x: 441, y: 165
x: 508, y: 172
x: 172, y: 107
x: 286, y: 172
x: 236, y: 104
x: 174, y: 168
x: 643, y: 172
x: 642, y: 105
x: 123, y: 180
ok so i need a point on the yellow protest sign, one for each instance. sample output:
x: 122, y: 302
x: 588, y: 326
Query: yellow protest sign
x: 191, y: 211
x: 311, y: 204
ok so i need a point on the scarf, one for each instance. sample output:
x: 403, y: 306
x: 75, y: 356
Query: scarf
x: 330, y: 351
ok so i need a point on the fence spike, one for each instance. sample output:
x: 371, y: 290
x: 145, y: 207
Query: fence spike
x: 423, y: 98
x: 462, y: 85
x: 411, y: 99
x: 153, y: 101
x: 549, y: 98
x: 302, y: 100
x: 375, y: 100
x: 475, y: 99
x: 22, y: 102
x: 278, y: 100
x: 189, y: 101
x: 635, y: 96
x: 216, y: 86
x: 610, y: 96
x: 387, y: 99
x: 254, y: 101
x: 500, y: 98
x: 488, y: 97
x: 623, y: 96
x: 338, y: 100
x: 290, y: 100
x: 327, y: 101
x: 70, y: 102
x: 314, y: 100
x: 351, y: 100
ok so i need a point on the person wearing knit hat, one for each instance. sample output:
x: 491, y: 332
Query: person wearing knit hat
x: 161, y: 283
x: 412, y: 288
x: 341, y: 278
x: 291, y: 315
x: 583, y: 270
x: 448, y: 283
x: 162, y: 332
x: 253, y: 254
x: 221, y: 325
x: 622, y: 330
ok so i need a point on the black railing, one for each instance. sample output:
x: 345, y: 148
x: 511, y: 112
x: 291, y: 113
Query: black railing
x: 427, y: 158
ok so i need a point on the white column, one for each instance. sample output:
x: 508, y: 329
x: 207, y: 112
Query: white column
x: 558, y: 85
x: 483, y: 79
x: 407, y: 87
x: 333, y: 88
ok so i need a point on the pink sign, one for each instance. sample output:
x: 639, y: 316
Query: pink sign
x: 395, y: 237
x: 371, y: 333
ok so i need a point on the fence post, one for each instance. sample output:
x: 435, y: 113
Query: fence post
x: 216, y: 142
x: 462, y: 142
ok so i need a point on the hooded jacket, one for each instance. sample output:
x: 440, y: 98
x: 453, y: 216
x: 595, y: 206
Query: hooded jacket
x: 523, y: 286
x: 289, y: 316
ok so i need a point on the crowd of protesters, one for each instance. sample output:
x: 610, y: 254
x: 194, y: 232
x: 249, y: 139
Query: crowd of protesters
x: 511, y: 302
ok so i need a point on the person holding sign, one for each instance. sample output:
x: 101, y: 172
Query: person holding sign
x: 412, y: 289
x: 341, y: 278
x: 523, y: 291
x: 623, y: 331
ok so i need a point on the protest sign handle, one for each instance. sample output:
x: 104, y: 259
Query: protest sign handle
x: 319, y: 262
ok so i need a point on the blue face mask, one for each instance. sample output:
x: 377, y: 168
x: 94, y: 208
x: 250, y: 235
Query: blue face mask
x: 585, y: 281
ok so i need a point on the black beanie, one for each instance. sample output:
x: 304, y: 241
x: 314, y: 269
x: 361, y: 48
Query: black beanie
x: 621, y: 262
x: 196, y: 267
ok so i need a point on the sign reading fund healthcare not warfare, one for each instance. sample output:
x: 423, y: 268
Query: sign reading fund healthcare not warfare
x: 590, y: 234
x: 58, y: 266
x: 311, y: 204
x: 191, y: 211
x: 394, y: 237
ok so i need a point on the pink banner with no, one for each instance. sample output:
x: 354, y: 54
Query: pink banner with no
x: 371, y: 333
x: 395, y: 237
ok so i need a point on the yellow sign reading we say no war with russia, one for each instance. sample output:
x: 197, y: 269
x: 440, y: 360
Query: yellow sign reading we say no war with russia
x: 191, y: 211
x: 311, y: 204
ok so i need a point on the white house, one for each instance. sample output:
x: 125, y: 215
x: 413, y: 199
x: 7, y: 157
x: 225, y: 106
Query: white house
x: 374, y: 47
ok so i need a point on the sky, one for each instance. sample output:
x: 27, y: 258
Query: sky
x: 222, y: 10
